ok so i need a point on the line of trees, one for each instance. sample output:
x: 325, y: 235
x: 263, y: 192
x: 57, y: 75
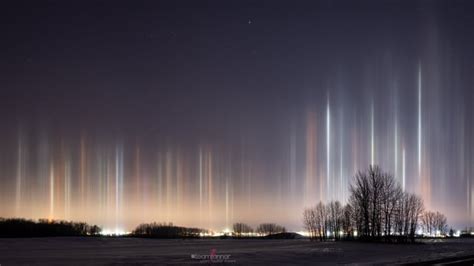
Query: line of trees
x: 264, y: 229
x: 378, y: 209
x: 327, y: 220
x: 241, y: 229
x: 267, y: 229
x: 45, y: 228
x: 434, y: 223
x: 166, y: 230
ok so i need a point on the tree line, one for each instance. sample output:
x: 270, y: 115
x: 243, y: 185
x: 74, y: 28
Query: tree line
x: 264, y: 229
x: 45, y: 228
x: 377, y: 209
x: 166, y: 230
x: 434, y: 223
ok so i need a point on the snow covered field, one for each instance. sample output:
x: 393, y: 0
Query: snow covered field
x: 76, y: 250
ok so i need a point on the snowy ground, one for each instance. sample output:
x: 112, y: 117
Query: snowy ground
x: 76, y: 250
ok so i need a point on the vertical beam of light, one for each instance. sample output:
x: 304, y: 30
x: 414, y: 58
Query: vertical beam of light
x: 168, y: 184
x: 403, y: 169
x: 395, y: 148
x: 110, y: 186
x: 395, y: 133
x: 470, y: 164
x: 67, y: 189
x: 200, y: 185
x: 341, y: 171
x: 102, y: 193
x: 232, y: 203
x: 372, y: 135
x: 179, y: 186
x: 249, y: 185
x: 117, y: 180
x: 227, y: 202
x: 19, y: 177
x: 419, y: 122
x: 470, y: 187
x: 229, y: 198
x: 328, y: 148
x: 159, y: 185
x: 355, y: 150
x: 341, y: 190
x: 118, y: 185
x: 100, y: 183
x: 82, y: 173
x: 145, y: 185
x: 210, y: 187
x: 43, y: 173
x: 51, y: 192
x: 471, y: 196
x: 310, y: 160
x: 137, y: 181
x: 292, y: 161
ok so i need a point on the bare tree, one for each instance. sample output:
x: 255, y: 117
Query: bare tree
x: 348, y: 221
x: 310, y: 222
x: 415, y: 209
x: 321, y: 220
x: 376, y: 178
x: 377, y: 209
x: 241, y: 228
x: 391, y: 193
x: 270, y: 229
x: 400, y: 216
x: 428, y: 222
x: 331, y: 218
x: 367, y: 197
x: 335, y: 217
x: 440, y: 223
x: 360, y: 201
x: 380, y: 207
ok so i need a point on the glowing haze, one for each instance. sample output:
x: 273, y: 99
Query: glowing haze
x: 215, y: 113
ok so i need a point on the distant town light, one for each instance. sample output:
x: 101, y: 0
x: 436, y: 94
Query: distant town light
x: 303, y: 233
x: 115, y: 232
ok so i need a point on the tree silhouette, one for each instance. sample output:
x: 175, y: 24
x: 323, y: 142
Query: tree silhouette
x: 266, y: 229
x: 164, y: 230
x: 377, y: 209
x: 241, y: 228
x: 45, y: 228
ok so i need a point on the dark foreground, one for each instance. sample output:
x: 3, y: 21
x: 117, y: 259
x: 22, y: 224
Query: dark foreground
x: 101, y: 250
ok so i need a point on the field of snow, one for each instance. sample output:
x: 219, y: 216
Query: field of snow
x: 102, y: 250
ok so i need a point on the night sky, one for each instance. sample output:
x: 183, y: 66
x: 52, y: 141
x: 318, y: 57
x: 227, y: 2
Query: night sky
x: 205, y: 113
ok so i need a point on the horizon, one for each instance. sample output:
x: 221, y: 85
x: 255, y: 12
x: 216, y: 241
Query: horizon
x: 206, y: 115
